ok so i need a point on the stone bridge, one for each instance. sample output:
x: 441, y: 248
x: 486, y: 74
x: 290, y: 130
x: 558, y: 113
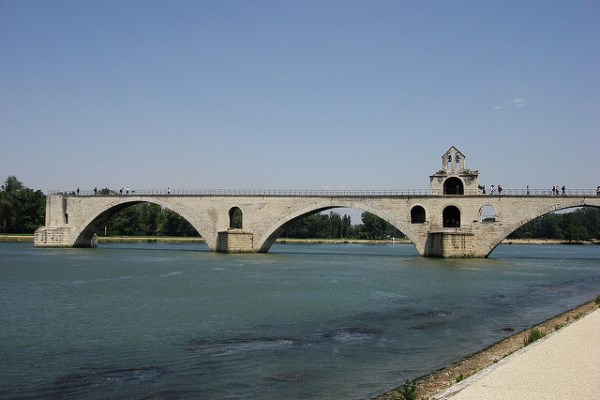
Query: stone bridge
x: 466, y: 224
x: 454, y: 218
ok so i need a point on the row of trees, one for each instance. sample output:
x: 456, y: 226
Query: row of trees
x: 148, y: 219
x: 335, y: 226
x: 581, y: 224
x: 22, y: 210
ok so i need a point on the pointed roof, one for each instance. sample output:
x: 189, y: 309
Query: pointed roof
x: 453, y: 150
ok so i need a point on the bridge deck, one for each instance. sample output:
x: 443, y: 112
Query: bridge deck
x: 324, y: 193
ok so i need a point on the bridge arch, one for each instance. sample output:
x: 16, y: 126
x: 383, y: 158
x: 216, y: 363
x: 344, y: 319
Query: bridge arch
x: 95, y: 221
x: 565, y: 204
x: 272, y: 233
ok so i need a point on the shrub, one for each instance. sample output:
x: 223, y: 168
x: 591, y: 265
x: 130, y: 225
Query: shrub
x: 409, y: 391
x: 533, y: 335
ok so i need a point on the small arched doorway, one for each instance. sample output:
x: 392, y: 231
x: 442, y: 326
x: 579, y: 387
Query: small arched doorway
x: 235, y: 218
x: 417, y: 215
x: 454, y: 186
x: 451, y: 217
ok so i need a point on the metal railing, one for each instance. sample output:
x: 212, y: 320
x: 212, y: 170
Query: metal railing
x: 323, y: 192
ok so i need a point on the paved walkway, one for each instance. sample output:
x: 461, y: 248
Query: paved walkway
x: 564, y: 365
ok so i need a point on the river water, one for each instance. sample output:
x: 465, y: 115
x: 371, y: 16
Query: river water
x: 175, y: 321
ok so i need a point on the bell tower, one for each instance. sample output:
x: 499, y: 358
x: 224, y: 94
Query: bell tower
x: 454, y: 178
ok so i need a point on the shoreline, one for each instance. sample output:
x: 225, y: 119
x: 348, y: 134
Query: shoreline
x: 198, y: 239
x: 442, y: 379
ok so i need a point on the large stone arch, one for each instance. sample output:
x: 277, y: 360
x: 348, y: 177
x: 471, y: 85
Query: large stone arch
x: 274, y: 231
x: 93, y: 223
x: 502, y: 234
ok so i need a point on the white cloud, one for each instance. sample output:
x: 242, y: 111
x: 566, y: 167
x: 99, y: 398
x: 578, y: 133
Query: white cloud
x: 519, y: 103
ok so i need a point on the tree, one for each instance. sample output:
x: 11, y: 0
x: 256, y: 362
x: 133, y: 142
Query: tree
x: 22, y: 210
x: 374, y: 227
x: 148, y: 219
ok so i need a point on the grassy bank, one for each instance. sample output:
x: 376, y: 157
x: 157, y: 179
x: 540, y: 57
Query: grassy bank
x: 15, y: 238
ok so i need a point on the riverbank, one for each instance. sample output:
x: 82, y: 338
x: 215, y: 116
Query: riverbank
x: 444, y: 378
x: 198, y: 239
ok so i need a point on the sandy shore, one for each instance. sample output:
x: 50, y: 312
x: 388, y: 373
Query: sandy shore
x: 444, y: 378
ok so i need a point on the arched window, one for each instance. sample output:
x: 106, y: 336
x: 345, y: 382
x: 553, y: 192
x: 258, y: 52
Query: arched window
x: 417, y: 215
x: 487, y: 213
x: 235, y: 218
x: 454, y: 186
x: 451, y: 217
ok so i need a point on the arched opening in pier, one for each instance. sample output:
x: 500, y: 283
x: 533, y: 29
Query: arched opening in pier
x: 487, y: 213
x: 417, y: 215
x: 451, y: 217
x: 235, y: 218
x: 454, y: 186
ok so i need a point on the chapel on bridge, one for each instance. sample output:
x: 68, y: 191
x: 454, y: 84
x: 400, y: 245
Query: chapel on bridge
x: 454, y: 177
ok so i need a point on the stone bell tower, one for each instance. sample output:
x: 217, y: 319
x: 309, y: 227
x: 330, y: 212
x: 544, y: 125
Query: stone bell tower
x: 454, y: 177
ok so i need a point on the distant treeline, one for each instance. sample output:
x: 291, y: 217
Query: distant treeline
x: 581, y: 224
x: 335, y: 226
x: 22, y: 210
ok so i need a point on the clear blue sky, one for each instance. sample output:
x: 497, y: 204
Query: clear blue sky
x: 298, y: 94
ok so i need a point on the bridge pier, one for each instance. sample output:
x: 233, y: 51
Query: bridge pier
x: 450, y: 244
x: 235, y: 241
x: 62, y: 236
x: 52, y: 236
